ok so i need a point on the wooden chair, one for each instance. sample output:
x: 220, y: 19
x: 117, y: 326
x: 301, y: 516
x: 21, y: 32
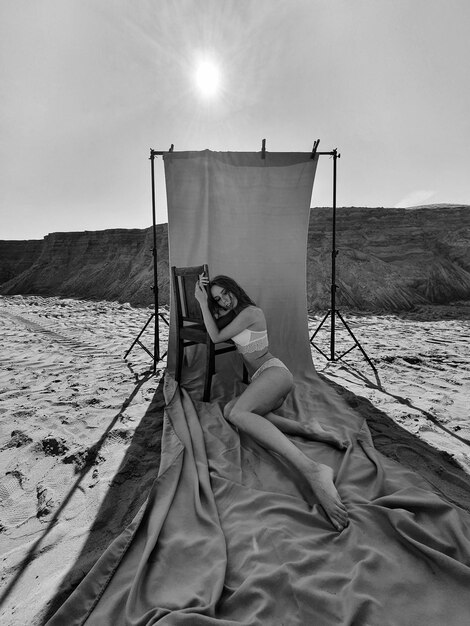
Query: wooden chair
x: 190, y: 329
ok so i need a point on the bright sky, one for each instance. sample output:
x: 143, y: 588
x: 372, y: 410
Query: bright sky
x: 89, y: 86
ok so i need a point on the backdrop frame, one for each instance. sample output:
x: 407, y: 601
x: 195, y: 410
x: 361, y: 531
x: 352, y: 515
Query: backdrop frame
x: 331, y: 313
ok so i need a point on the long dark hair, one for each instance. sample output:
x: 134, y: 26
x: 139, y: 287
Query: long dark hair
x: 227, y: 283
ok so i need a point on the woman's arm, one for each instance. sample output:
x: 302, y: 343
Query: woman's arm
x: 245, y: 318
x: 224, y: 319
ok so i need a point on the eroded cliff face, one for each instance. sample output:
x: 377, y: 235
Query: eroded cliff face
x: 388, y: 259
x: 17, y: 256
x: 111, y: 265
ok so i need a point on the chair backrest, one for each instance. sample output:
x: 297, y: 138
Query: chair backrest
x: 184, y: 284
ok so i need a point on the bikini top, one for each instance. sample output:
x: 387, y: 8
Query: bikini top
x: 251, y: 340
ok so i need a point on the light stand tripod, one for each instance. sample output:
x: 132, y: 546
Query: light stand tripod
x: 333, y: 311
x: 155, y: 355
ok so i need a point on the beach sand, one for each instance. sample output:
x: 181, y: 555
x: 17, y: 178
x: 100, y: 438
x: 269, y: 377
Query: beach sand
x: 80, y: 427
x: 417, y: 401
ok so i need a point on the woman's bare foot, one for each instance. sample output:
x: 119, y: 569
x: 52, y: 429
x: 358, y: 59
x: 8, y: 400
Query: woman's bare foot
x: 320, y: 478
x: 316, y: 432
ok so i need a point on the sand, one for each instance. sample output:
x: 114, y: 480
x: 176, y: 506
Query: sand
x: 422, y: 377
x: 80, y: 427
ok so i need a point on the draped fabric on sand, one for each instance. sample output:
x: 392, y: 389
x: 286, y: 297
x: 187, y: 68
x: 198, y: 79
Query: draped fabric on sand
x: 230, y: 534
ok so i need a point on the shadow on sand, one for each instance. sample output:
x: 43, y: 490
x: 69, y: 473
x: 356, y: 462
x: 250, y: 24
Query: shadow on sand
x: 437, y: 467
x: 139, y: 469
x: 131, y: 484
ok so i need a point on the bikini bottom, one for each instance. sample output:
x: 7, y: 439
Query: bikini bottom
x: 269, y: 363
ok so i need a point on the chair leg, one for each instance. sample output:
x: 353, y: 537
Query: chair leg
x: 210, y: 369
x: 179, y: 360
x: 245, y: 374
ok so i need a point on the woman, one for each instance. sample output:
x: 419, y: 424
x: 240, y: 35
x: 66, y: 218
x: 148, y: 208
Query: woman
x: 271, y: 381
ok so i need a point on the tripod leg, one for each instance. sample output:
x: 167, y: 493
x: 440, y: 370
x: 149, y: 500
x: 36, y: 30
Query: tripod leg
x: 136, y: 340
x: 320, y: 325
x: 328, y: 313
x: 345, y: 324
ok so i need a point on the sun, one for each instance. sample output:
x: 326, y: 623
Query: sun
x: 207, y: 78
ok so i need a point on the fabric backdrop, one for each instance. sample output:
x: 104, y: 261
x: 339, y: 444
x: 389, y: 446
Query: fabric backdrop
x: 230, y: 535
x: 247, y: 217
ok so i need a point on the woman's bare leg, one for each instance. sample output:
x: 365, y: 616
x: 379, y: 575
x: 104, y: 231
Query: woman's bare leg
x: 258, y: 399
x: 314, y: 432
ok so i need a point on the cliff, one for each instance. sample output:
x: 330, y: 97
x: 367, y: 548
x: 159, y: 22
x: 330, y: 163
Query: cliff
x: 110, y: 265
x: 17, y: 256
x: 388, y: 259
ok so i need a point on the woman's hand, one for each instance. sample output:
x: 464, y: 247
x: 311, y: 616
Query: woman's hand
x: 200, y: 292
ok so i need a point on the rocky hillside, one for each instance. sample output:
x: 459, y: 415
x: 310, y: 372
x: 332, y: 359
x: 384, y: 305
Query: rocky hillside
x: 110, y: 264
x: 17, y: 256
x: 388, y: 259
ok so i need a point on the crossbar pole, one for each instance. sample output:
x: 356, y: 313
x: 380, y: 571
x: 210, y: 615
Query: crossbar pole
x: 162, y: 152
